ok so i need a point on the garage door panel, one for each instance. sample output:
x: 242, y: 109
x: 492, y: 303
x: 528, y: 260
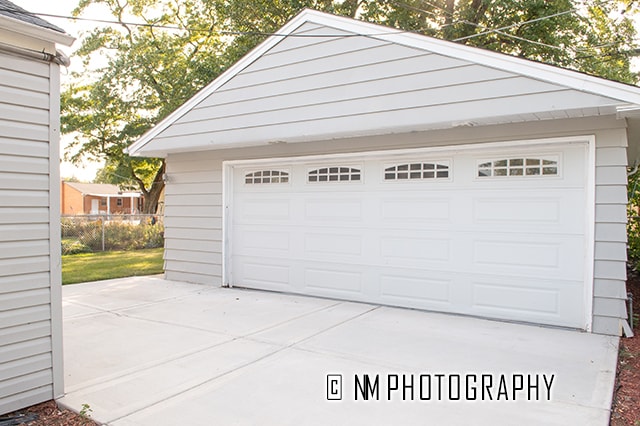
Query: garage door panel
x: 260, y: 241
x: 415, y: 291
x: 263, y: 208
x: 326, y: 277
x: 262, y: 273
x: 332, y: 244
x: 333, y: 209
x: 416, y: 208
x: 553, y: 302
x: 403, y: 250
x: 509, y: 247
x: 547, y: 211
x: 527, y: 254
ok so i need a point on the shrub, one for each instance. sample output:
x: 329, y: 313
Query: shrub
x: 118, y: 235
x: 70, y: 246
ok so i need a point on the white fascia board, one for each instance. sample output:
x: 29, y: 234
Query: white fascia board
x: 572, y: 79
x: 35, y: 31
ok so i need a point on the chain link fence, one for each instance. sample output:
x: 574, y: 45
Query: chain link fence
x: 94, y: 233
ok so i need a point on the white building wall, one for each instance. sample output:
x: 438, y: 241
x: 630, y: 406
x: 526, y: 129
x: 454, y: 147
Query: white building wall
x: 30, y: 317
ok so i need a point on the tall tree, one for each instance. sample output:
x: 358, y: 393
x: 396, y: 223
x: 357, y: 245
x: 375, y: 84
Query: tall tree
x: 137, y: 75
x: 144, y: 73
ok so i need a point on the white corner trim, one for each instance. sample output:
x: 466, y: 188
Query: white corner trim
x: 227, y: 223
x: 590, y: 230
x: 55, y: 259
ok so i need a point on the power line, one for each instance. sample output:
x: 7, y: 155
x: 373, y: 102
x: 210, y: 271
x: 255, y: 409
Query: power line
x: 221, y: 32
x: 267, y: 34
x: 517, y: 24
x: 488, y: 30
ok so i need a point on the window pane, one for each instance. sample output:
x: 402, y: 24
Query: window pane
x: 516, y: 162
x: 500, y: 163
x: 515, y: 172
x: 355, y: 177
x: 533, y: 171
x: 416, y: 166
x: 403, y: 167
x: 313, y: 178
x: 500, y: 172
x: 484, y: 172
x: 428, y: 175
x: 443, y: 174
x: 389, y: 176
x: 550, y: 171
x: 415, y: 175
x: 403, y: 175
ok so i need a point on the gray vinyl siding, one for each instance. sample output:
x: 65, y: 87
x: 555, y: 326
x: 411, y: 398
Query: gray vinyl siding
x: 26, y: 358
x: 355, y: 86
x: 610, y: 271
x: 193, y: 219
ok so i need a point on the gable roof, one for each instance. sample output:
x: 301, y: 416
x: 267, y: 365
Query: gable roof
x: 100, y: 189
x: 306, y: 83
x: 14, y: 17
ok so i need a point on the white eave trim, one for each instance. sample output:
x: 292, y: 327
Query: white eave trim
x: 571, y: 79
x: 35, y: 31
x: 628, y: 111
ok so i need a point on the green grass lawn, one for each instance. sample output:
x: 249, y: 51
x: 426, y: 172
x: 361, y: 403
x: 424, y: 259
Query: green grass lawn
x: 79, y: 268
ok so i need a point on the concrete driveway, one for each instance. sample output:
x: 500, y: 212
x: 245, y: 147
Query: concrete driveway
x: 146, y: 351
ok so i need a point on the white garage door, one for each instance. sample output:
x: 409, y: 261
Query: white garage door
x: 493, y: 232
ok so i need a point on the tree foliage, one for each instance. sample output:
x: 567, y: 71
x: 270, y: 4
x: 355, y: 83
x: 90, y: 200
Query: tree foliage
x: 137, y: 75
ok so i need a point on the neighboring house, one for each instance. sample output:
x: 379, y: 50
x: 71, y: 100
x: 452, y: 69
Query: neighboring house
x: 354, y: 161
x: 98, y: 198
x: 30, y: 288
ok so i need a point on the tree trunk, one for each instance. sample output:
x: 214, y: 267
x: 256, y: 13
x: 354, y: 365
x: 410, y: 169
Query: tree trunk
x: 152, y: 195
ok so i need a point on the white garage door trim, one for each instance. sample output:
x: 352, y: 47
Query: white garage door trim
x: 544, y: 144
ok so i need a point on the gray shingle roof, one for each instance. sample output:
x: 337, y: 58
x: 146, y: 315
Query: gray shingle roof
x: 16, y: 12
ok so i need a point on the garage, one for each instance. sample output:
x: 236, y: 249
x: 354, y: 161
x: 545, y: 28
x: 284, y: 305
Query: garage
x: 495, y: 230
x: 345, y: 160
